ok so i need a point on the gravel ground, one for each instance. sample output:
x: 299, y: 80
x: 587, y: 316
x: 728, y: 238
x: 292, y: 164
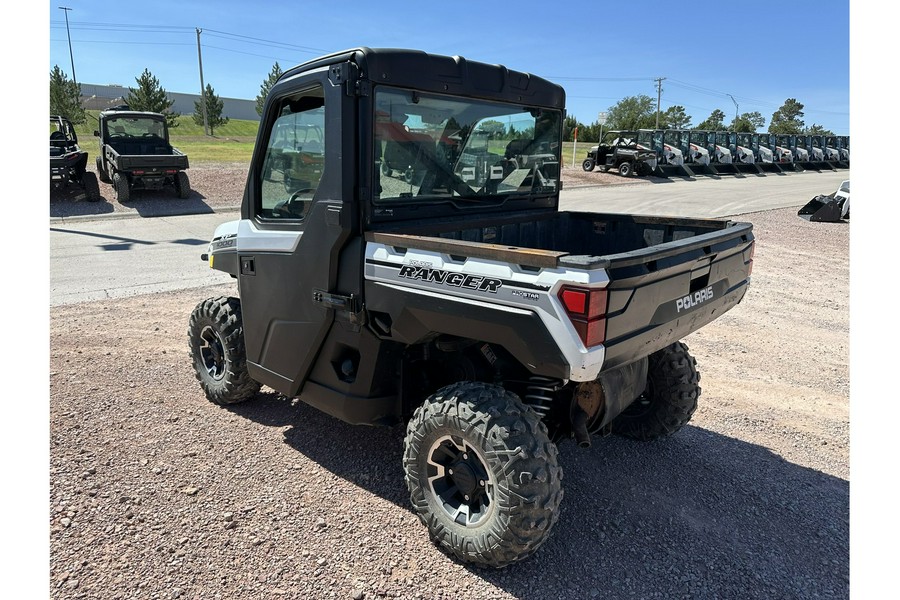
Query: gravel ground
x: 156, y: 493
x: 221, y: 185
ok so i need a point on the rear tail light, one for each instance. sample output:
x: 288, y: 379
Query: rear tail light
x: 171, y: 171
x: 138, y: 172
x: 586, y: 309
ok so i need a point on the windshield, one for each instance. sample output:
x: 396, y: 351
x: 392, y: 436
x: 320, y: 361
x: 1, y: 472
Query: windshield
x: 126, y: 127
x: 434, y: 147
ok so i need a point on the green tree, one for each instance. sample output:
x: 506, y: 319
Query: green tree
x: 674, y: 117
x: 788, y: 118
x: 632, y: 112
x: 714, y: 122
x: 267, y: 84
x: 150, y: 96
x: 65, y: 97
x: 816, y: 129
x: 214, y: 107
x: 748, y: 122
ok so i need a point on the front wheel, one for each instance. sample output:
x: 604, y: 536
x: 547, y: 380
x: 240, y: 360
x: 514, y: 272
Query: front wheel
x: 482, y: 473
x: 216, y: 340
x: 673, y: 388
x: 101, y: 172
x: 91, y: 186
x: 588, y: 164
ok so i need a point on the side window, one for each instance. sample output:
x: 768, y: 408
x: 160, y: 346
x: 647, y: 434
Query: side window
x: 295, y: 157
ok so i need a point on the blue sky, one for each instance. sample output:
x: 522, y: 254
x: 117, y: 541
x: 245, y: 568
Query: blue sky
x: 760, y: 53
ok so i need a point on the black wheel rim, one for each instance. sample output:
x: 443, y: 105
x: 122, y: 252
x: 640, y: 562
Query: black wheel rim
x: 212, y: 353
x: 460, y: 481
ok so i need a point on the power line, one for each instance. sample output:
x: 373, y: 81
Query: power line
x: 260, y: 40
x: 284, y: 60
x: 555, y: 78
x: 127, y: 43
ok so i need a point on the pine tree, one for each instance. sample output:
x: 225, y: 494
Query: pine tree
x: 65, y: 97
x: 214, y: 107
x: 787, y: 119
x: 267, y: 84
x: 714, y: 122
x: 151, y: 97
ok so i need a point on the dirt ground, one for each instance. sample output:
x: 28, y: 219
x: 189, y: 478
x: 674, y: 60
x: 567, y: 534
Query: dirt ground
x: 156, y: 493
x: 215, y: 186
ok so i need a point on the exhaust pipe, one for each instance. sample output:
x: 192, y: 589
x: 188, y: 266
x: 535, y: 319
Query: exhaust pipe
x: 580, y: 430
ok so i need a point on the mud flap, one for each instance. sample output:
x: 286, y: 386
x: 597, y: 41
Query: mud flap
x: 823, y: 209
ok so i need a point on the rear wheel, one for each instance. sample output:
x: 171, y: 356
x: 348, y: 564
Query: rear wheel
x: 482, y: 473
x: 669, y: 400
x: 588, y: 164
x: 625, y: 169
x: 216, y: 340
x: 182, y: 185
x: 122, y: 187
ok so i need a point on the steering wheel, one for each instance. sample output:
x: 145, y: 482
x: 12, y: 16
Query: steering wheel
x: 286, y: 207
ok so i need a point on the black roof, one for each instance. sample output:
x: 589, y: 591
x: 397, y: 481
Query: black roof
x: 419, y: 70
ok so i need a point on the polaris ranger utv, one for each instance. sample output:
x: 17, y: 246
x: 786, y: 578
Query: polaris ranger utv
x: 135, y: 153
x: 448, y: 292
x: 68, y: 162
x: 620, y: 150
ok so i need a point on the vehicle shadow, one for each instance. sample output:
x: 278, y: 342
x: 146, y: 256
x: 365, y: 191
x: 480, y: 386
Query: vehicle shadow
x: 72, y: 201
x: 164, y: 202
x: 699, y: 515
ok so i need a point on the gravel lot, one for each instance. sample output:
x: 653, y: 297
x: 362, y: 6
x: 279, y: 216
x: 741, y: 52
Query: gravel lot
x: 156, y: 493
x: 221, y: 185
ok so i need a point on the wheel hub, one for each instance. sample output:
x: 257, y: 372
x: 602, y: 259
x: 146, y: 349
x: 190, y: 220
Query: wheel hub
x: 212, y: 353
x: 460, y: 481
x: 464, y: 478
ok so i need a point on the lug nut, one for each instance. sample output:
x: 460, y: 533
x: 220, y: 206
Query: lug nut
x: 465, y: 457
x: 466, y: 497
x: 450, y: 471
x: 481, y: 482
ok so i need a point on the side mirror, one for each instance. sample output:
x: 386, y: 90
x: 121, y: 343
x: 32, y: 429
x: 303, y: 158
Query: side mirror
x: 96, y: 133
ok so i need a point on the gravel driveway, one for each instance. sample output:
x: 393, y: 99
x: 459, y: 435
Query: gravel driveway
x: 156, y: 493
x: 221, y: 185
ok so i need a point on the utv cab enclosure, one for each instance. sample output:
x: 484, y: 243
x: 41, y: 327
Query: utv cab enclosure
x: 419, y: 272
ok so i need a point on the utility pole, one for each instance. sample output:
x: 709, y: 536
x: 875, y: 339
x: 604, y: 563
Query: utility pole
x: 658, y: 81
x: 735, y: 109
x: 66, y: 10
x: 202, y: 85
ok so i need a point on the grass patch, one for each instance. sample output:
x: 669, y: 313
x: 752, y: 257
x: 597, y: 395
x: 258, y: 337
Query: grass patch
x: 234, y: 141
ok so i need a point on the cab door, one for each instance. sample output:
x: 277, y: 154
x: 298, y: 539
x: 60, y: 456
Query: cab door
x: 296, y: 219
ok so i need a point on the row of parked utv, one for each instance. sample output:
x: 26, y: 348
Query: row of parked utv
x: 682, y: 152
x: 135, y: 154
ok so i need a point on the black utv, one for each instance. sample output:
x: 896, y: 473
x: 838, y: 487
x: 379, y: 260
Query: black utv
x: 68, y: 162
x: 620, y: 150
x: 135, y: 153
